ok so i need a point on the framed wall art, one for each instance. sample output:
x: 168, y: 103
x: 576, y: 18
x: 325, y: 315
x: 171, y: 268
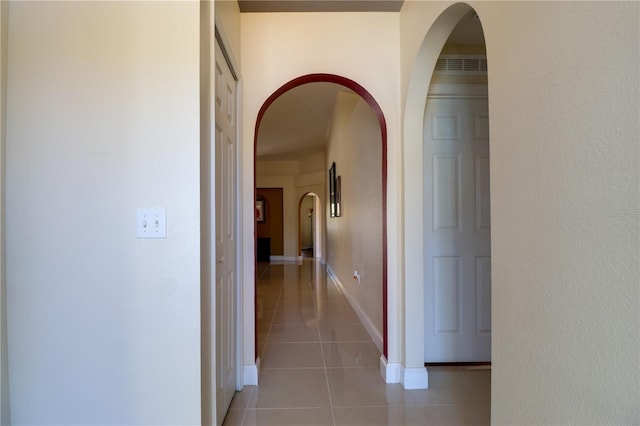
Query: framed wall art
x: 260, y: 211
x: 338, y: 196
x: 332, y: 190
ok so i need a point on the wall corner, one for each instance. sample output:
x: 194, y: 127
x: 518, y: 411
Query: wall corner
x: 5, y: 417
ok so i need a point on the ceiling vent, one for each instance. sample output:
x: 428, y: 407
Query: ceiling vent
x: 461, y: 64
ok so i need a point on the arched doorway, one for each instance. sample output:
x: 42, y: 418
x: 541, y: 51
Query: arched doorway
x: 414, y: 189
x: 457, y: 246
x: 377, y: 111
x: 310, y: 226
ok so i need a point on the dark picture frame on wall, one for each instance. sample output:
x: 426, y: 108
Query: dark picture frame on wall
x: 260, y: 211
x: 338, y: 196
x: 332, y: 190
x: 335, y: 192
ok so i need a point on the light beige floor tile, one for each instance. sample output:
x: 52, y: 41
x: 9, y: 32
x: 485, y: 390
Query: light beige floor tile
x: 457, y: 415
x: 330, y: 293
x: 241, y: 399
x: 269, y: 288
x: 343, y: 332
x: 299, y: 388
x: 267, y: 302
x: 339, y: 315
x: 262, y: 343
x: 338, y: 310
x: 293, y: 333
x: 338, y: 303
x: 291, y: 299
x: 234, y: 418
x: 292, y: 355
x: 289, y: 417
x: 379, y: 416
x: 293, y: 317
x: 263, y: 327
x: 274, y: 272
x: 264, y: 317
x: 300, y: 313
x: 351, y: 355
x: 261, y: 267
x: 453, y: 385
x: 305, y: 305
x: 353, y: 387
x: 296, y: 295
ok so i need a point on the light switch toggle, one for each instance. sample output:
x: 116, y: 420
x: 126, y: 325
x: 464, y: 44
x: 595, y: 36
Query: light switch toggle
x: 151, y: 223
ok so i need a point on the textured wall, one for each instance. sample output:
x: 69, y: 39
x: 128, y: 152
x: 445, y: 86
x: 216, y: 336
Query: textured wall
x: 355, y: 238
x: 564, y: 112
x: 103, y: 106
x: 359, y: 46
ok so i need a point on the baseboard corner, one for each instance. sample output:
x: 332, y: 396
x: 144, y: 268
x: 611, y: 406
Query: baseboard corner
x: 391, y: 372
x: 415, y: 378
x: 251, y: 374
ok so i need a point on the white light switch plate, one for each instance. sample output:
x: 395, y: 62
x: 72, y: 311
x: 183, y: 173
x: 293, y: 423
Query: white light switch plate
x: 151, y: 223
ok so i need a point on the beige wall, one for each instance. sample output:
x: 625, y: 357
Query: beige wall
x: 4, y: 362
x: 227, y: 19
x: 103, y: 117
x: 564, y: 188
x: 207, y: 300
x: 328, y: 43
x: 296, y: 178
x: 103, y: 113
x: 566, y: 302
x: 354, y: 240
x: 313, y: 163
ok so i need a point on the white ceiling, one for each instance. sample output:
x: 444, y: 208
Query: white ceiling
x: 297, y: 123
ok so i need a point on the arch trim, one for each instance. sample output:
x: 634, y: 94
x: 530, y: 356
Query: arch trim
x: 373, y: 104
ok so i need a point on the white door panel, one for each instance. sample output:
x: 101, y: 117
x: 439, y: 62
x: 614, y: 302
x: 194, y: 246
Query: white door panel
x: 224, y: 162
x: 457, y: 231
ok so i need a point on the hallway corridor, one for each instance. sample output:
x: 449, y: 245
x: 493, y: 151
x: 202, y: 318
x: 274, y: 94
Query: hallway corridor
x: 320, y: 367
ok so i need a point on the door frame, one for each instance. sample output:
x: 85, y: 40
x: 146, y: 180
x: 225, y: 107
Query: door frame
x: 460, y: 92
x: 373, y: 104
x: 317, y: 219
x: 415, y: 375
x: 211, y: 35
x: 234, y: 66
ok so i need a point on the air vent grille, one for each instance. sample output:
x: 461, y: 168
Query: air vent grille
x: 456, y: 64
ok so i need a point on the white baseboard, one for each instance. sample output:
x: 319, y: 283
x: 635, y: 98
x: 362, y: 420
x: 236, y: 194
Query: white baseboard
x: 391, y: 372
x: 251, y: 373
x: 376, y: 336
x: 415, y: 378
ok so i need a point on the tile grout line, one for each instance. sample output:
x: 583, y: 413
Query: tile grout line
x: 413, y: 403
x: 246, y: 408
x: 275, y: 310
x: 326, y: 373
x: 326, y: 376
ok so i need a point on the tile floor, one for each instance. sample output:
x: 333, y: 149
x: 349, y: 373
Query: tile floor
x: 320, y: 367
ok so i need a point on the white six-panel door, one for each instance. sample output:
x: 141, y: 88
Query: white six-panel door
x: 224, y: 162
x: 457, y: 231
